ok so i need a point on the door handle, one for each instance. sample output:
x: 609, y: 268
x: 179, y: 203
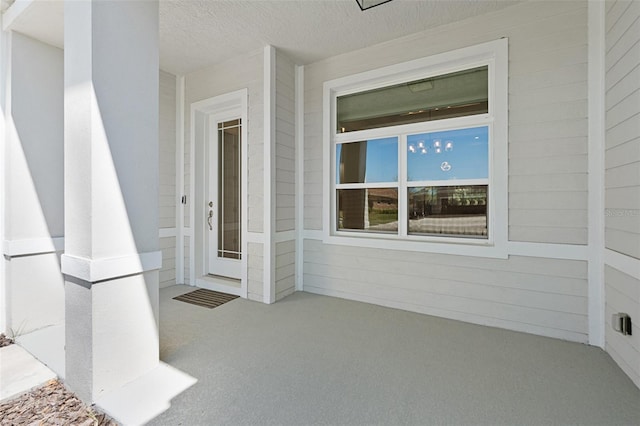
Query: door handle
x: 209, y: 219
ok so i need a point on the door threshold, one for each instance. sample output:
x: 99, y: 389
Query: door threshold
x: 221, y: 284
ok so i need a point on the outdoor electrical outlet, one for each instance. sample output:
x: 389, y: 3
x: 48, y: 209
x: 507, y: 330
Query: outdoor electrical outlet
x: 621, y: 323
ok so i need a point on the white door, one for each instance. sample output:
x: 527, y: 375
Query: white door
x: 224, y: 203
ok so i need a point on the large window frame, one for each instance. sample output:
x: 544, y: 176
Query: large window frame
x: 491, y: 54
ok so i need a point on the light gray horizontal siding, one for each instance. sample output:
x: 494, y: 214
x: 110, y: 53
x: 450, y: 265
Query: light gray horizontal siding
x: 255, y: 268
x: 548, y: 147
x: 243, y: 72
x: 542, y: 296
x: 285, y: 144
x: 167, y: 151
x: 285, y: 268
x: 168, y: 270
x: 622, y: 157
x: 187, y: 264
x: 547, y: 112
x: 622, y: 175
x: 167, y: 174
x: 623, y: 295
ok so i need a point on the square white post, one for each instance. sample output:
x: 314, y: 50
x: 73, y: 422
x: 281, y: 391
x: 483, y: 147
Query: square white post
x: 111, y: 258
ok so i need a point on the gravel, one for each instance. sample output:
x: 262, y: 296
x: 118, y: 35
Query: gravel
x: 5, y: 341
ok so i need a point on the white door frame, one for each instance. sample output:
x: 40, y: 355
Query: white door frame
x: 201, y: 113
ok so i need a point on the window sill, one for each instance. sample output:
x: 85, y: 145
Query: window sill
x: 436, y: 245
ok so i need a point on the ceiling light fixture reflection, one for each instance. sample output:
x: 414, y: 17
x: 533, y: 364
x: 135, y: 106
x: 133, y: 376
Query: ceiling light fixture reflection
x: 368, y: 4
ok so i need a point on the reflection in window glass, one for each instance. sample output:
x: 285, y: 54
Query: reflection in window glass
x: 448, y: 210
x: 440, y: 97
x: 371, y: 209
x: 448, y: 155
x: 367, y: 161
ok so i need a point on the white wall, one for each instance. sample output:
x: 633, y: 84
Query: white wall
x: 167, y: 189
x: 547, y: 184
x: 34, y: 210
x: 622, y: 180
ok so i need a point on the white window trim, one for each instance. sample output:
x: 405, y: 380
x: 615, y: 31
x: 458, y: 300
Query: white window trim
x: 495, y: 54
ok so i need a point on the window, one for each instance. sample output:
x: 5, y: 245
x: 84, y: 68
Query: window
x: 417, y: 152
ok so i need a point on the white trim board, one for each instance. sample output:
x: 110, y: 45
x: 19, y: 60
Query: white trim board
x: 299, y: 176
x: 548, y: 250
x: 12, y: 248
x: 623, y: 263
x: 180, y: 234
x: 514, y: 248
x: 166, y: 232
x: 596, y: 167
x: 494, y: 55
x: 217, y: 284
x: 94, y: 270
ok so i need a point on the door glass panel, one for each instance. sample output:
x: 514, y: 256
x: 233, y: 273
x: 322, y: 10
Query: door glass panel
x: 229, y: 184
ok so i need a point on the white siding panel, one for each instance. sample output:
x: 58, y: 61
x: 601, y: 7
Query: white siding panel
x: 622, y: 88
x: 626, y: 153
x: 187, y: 261
x: 285, y: 144
x: 561, y: 93
x: 547, y: 200
x: 285, y: 268
x: 243, y: 72
x: 255, y: 263
x: 622, y: 176
x: 623, y: 241
x: 548, y: 132
x: 168, y: 270
x: 622, y: 199
x: 623, y: 132
x: 490, y: 290
x: 623, y: 295
x: 167, y: 175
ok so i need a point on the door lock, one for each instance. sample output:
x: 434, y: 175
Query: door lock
x: 210, y: 203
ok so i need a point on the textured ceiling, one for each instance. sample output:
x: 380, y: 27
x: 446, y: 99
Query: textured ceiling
x: 198, y: 33
x: 194, y: 34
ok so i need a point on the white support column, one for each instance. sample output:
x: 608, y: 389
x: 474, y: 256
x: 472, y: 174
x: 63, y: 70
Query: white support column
x: 111, y: 258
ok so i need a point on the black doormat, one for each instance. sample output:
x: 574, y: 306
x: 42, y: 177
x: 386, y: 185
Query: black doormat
x: 206, y: 298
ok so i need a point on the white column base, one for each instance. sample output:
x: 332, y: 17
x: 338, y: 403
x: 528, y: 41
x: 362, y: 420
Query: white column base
x: 111, y: 332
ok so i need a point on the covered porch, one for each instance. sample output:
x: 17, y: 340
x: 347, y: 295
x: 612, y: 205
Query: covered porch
x: 312, y: 359
x: 116, y: 116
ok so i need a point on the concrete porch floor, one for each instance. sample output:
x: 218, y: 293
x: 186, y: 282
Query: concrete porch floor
x: 311, y: 359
